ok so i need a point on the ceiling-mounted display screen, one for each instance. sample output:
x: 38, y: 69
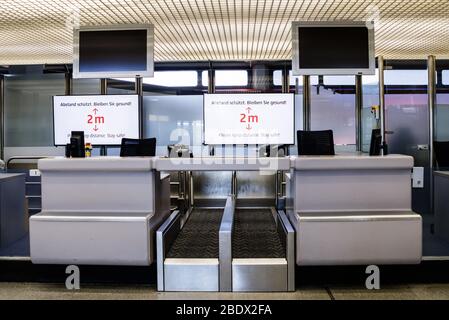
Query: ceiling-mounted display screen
x: 249, y: 119
x: 336, y: 48
x: 113, y: 51
x: 105, y: 119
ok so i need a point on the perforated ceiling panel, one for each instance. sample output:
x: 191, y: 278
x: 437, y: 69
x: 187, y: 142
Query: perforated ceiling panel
x: 40, y: 31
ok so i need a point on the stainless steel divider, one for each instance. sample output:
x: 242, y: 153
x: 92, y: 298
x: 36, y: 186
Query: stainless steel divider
x: 289, y: 235
x: 165, y: 236
x: 225, y: 245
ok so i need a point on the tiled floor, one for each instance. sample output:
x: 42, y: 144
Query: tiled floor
x: 10, y: 290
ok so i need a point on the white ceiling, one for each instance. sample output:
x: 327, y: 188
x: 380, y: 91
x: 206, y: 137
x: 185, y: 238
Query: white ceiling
x: 40, y: 31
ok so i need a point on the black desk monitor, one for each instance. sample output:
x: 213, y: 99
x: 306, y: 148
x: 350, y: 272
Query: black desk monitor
x: 315, y: 143
x: 138, y: 147
x: 77, y: 146
x: 147, y: 147
x: 376, y: 143
x: 129, y: 148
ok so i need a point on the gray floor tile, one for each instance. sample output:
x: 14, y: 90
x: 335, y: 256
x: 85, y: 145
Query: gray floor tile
x: 431, y: 291
x: 402, y: 292
x: 29, y: 291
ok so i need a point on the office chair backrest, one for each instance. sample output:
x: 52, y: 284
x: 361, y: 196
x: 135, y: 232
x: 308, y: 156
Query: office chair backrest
x: 138, y: 147
x: 315, y: 143
x: 442, y: 153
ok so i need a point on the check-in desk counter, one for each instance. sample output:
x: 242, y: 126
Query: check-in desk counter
x: 441, y: 207
x: 353, y: 209
x: 100, y: 211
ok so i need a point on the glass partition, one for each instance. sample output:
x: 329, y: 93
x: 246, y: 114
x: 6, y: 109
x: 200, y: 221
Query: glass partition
x: 438, y: 242
x: 407, y: 125
x: 28, y: 132
x: 370, y: 108
x: 173, y: 120
x: 333, y: 107
x: 299, y: 116
x: 441, y: 129
x: 29, y: 114
x: 407, y: 120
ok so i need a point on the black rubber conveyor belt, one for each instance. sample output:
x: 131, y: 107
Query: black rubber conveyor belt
x: 255, y: 235
x: 199, y: 237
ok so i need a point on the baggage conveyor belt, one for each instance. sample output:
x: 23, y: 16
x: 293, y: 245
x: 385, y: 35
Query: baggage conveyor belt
x: 199, y: 236
x: 255, y: 235
x: 226, y: 249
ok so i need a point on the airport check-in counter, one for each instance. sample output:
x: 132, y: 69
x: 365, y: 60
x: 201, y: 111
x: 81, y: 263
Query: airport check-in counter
x: 98, y: 211
x: 353, y: 209
x: 110, y: 210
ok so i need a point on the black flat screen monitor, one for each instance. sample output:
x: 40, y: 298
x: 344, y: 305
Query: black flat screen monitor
x: 315, y: 143
x: 338, y: 49
x: 138, y: 147
x: 118, y: 51
x: 376, y: 143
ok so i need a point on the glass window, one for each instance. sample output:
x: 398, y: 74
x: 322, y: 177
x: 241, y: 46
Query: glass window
x: 227, y: 78
x: 370, y: 80
x: 277, y: 79
x: 173, y: 79
x: 406, y: 77
x: 170, y: 79
x: 339, y: 80
x: 445, y: 74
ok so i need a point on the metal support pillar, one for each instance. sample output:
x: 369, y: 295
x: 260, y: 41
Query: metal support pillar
x: 104, y: 90
x: 381, y: 67
x: 306, y: 103
x: 358, y: 112
x: 139, y: 92
x: 431, y: 96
